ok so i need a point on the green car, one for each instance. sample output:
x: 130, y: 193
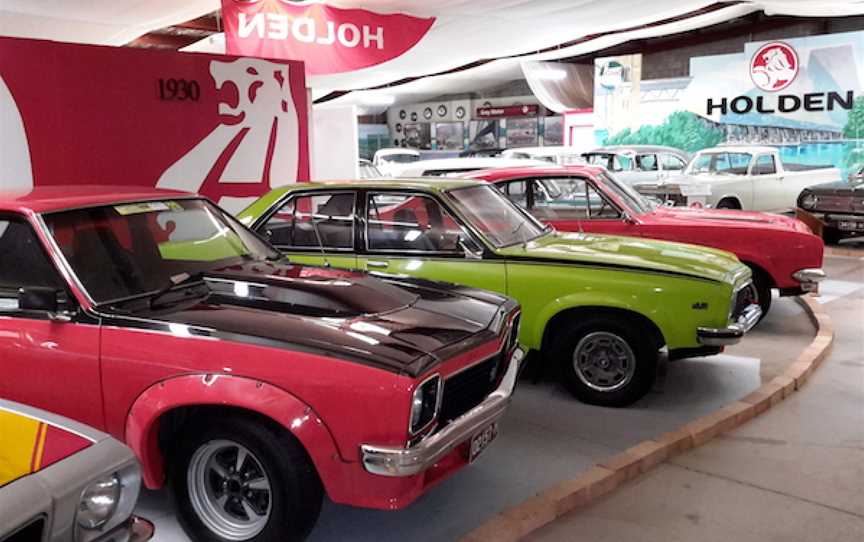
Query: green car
x: 606, y: 310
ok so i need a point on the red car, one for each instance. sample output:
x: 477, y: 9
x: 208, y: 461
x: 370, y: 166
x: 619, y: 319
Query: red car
x: 782, y: 251
x: 255, y: 385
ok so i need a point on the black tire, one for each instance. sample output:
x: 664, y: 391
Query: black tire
x: 295, y: 494
x: 831, y: 236
x: 728, y: 203
x: 634, y: 335
x: 762, y: 281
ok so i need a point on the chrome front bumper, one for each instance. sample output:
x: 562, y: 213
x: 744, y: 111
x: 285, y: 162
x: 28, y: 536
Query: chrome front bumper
x: 809, y: 278
x: 732, y: 333
x: 409, y: 461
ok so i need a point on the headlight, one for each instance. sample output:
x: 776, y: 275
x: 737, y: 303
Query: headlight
x: 809, y: 201
x: 425, y: 404
x: 99, y: 502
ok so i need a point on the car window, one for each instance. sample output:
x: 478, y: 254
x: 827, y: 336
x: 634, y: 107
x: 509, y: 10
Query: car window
x: 303, y: 219
x: 410, y: 222
x: 23, y: 262
x: 516, y: 191
x: 576, y: 199
x: 727, y: 163
x: 672, y: 162
x: 646, y: 162
x: 764, y: 165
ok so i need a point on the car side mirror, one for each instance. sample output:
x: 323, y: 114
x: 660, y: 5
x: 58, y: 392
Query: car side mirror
x: 628, y: 219
x: 42, y: 299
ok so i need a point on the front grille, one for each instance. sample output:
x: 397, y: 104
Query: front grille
x: 30, y: 533
x: 468, y: 388
x: 839, y: 204
x: 744, y: 297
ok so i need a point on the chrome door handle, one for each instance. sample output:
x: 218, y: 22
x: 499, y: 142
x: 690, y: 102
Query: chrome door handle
x: 376, y: 264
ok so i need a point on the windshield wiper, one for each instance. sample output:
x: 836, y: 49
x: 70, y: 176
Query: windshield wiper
x: 173, y: 282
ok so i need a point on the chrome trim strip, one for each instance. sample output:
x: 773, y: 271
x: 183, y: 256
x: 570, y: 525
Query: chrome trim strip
x: 386, y: 461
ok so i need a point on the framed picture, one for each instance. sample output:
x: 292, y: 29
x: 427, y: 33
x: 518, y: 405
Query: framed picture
x: 450, y: 136
x: 522, y: 132
x: 553, y: 130
x: 417, y: 135
x: 483, y: 134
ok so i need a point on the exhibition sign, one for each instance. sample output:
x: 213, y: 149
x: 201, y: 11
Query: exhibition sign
x: 229, y: 128
x: 326, y: 38
x: 801, y: 94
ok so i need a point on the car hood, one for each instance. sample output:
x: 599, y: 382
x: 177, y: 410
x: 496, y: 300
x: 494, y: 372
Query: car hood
x: 839, y: 188
x: 722, y: 218
x: 637, y: 254
x: 393, y: 324
x: 29, y: 442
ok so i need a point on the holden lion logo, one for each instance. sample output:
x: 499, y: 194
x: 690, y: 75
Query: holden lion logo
x: 774, y: 66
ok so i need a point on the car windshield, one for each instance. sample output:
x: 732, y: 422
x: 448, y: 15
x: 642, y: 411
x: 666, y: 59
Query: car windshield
x: 725, y: 163
x: 633, y: 199
x: 131, y: 250
x: 611, y: 161
x: 400, y: 158
x: 495, y: 216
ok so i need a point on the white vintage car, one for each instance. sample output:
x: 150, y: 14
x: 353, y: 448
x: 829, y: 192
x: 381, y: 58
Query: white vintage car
x: 752, y: 178
x: 448, y: 167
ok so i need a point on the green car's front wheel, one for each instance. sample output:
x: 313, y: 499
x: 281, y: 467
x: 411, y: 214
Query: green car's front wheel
x: 605, y: 361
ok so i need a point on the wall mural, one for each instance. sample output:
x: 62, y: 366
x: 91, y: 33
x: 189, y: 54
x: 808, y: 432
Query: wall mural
x: 800, y: 95
x: 229, y: 128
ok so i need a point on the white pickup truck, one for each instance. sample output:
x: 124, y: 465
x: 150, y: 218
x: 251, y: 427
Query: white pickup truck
x: 752, y: 178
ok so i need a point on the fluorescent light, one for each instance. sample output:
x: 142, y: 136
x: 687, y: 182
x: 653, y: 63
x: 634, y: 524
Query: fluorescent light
x: 552, y: 74
x: 377, y: 99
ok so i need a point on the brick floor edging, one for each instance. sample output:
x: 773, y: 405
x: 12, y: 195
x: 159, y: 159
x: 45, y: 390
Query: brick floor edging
x: 518, y: 521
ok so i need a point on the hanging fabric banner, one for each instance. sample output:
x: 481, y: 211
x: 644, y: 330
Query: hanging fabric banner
x: 327, y: 39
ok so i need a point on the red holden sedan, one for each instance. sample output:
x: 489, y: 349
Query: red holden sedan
x: 782, y: 251
x: 254, y: 385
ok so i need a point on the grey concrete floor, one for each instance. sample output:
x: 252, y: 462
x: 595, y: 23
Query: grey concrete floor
x: 547, y: 436
x: 794, y: 474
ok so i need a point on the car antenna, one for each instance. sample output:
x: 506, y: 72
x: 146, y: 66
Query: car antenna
x: 318, y: 237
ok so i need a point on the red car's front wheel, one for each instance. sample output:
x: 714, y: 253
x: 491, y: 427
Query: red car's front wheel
x: 241, y: 480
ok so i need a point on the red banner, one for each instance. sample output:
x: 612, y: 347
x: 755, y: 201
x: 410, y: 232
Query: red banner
x: 229, y: 128
x: 327, y: 39
x: 530, y: 110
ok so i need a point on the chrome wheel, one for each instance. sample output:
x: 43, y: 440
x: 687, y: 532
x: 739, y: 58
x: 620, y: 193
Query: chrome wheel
x: 604, y: 361
x: 229, y: 490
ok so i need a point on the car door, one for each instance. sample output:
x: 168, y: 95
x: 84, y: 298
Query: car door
x: 44, y: 362
x: 315, y: 228
x: 414, y: 233
x: 671, y: 165
x: 768, y: 189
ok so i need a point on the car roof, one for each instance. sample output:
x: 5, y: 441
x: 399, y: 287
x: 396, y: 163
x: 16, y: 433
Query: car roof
x: 392, y: 151
x: 740, y: 148
x: 500, y: 174
x: 638, y: 148
x: 44, y: 199
x: 435, y: 184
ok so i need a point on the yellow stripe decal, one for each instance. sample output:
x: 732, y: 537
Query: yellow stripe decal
x: 18, y: 437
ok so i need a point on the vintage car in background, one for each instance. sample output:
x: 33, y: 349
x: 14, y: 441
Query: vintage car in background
x: 554, y: 154
x: 835, y: 209
x: 385, y: 159
x: 600, y: 307
x: 748, y: 177
x: 781, y: 252
x: 639, y: 163
x: 255, y: 385
x: 365, y: 170
x: 448, y: 167
x: 62, y: 481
